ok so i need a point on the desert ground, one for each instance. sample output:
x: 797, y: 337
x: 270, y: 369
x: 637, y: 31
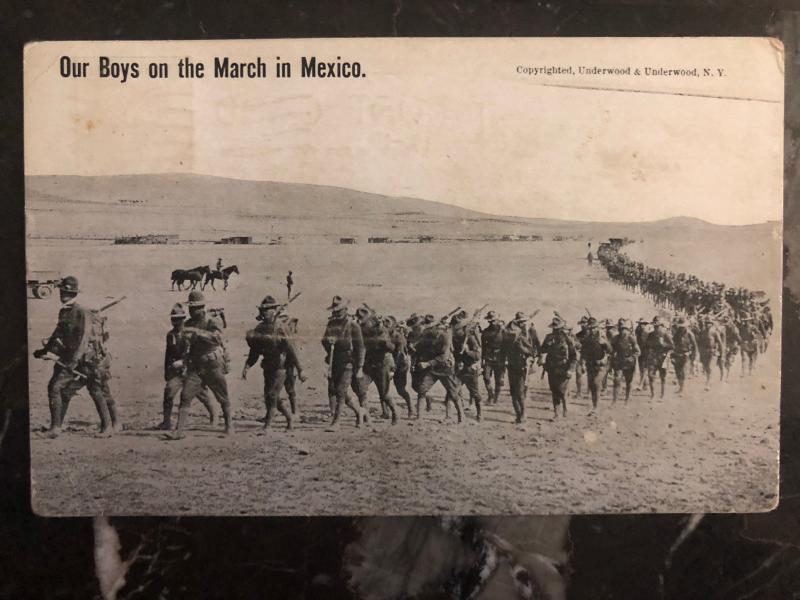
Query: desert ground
x: 705, y: 451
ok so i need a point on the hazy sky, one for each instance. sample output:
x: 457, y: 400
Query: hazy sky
x: 446, y: 120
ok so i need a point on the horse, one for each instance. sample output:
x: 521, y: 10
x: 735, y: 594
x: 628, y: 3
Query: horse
x: 195, y: 276
x: 224, y: 274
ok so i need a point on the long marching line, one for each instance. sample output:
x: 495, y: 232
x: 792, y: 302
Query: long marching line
x: 710, y: 322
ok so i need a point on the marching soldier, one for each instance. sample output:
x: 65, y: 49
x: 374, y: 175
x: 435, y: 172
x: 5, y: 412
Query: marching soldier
x: 467, y: 344
x: 434, y: 363
x: 684, y: 350
x: 733, y: 342
x: 271, y: 340
x: 709, y: 346
x: 204, y: 360
x: 174, y: 368
x: 611, y: 334
x: 580, y: 367
x: 402, y: 361
x: 292, y: 372
x: 344, y: 348
x: 595, y: 350
x: 289, y: 284
x: 378, y: 362
x: 658, y: 346
x: 560, y: 358
x: 519, y: 345
x: 492, y: 359
x: 625, y: 352
x: 642, y: 332
x: 219, y: 264
x: 82, y: 360
x: 750, y: 338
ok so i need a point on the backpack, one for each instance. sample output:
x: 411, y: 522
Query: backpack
x: 96, y: 355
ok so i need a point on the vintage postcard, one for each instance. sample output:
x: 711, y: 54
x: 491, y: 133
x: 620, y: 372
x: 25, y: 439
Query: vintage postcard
x: 404, y: 276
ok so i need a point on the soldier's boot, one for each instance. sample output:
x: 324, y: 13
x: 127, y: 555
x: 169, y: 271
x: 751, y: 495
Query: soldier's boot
x: 615, y: 391
x: 102, y: 410
x: 652, y: 387
x: 555, y: 408
x: 497, y: 389
x: 385, y: 412
x: 392, y: 410
x: 293, y: 402
x: 227, y: 418
x: 478, y: 408
x: 407, y: 397
x: 419, y: 404
x: 333, y: 404
x: 428, y: 404
x: 336, y: 409
x: 459, y: 409
x: 286, y: 413
x: 112, y: 413
x: 627, y: 391
x: 663, y: 385
x: 183, y: 417
x: 166, y: 423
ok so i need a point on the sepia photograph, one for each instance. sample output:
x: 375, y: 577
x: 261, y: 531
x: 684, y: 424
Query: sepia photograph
x: 404, y: 276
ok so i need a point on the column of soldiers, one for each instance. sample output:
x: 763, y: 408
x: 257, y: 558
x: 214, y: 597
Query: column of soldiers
x: 366, y: 348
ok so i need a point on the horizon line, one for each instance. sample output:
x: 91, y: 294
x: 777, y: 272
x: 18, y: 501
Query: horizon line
x: 398, y: 197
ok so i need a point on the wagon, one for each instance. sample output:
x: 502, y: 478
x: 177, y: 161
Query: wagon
x: 41, y: 283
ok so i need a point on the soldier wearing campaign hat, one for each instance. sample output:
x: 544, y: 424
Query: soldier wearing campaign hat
x: 658, y: 346
x: 641, y: 332
x: 559, y: 358
x: 595, y: 351
x: 467, y: 353
x: 81, y: 361
x: 520, y: 344
x: 204, y: 360
x: 685, y: 348
x: 175, y: 369
x: 398, y: 333
x: 624, y: 353
x: 710, y: 347
x: 270, y: 341
x: 344, y: 357
x: 492, y: 360
x: 378, y: 362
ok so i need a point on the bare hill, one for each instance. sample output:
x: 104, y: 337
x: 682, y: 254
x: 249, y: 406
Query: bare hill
x: 207, y: 207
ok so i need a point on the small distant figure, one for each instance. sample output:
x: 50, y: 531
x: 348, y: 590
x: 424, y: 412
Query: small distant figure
x: 589, y: 257
x: 219, y: 264
x: 289, y: 284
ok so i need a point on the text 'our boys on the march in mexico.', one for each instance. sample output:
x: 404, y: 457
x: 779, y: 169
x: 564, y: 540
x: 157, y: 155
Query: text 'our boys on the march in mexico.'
x: 223, y: 68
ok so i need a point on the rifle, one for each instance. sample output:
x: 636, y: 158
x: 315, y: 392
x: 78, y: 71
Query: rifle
x: 587, y: 312
x: 449, y: 315
x: 469, y: 326
x: 329, y: 373
x: 109, y: 305
x: 75, y: 372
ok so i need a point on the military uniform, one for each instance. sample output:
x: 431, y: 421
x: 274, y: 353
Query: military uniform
x: 270, y: 339
x: 750, y: 338
x: 378, y: 363
x: 595, y: 350
x: 641, y: 333
x: 435, y: 362
x: 204, y: 360
x: 624, y: 355
x: 520, y: 344
x: 344, y: 347
x: 559, y: 362
x: 290, y: 383
x: 467, y: 344
x: 733, y: 342
x: 580, y: 367
x: 72, y: 341
x: 658, y: 346
x: 174, y: 370
x: 684, y: 350
x: 493, y: 361
x: 402, y: 363
x: 710, y: 347
x: 611, y: 334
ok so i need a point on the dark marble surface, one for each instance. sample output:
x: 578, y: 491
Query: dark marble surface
x: 635, y: 556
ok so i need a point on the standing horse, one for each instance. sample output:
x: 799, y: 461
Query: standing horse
x: 194, y: 276
x: 223, y: 274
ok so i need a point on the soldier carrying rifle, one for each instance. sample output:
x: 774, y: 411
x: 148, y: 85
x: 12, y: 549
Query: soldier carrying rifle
x: 79, y: 342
